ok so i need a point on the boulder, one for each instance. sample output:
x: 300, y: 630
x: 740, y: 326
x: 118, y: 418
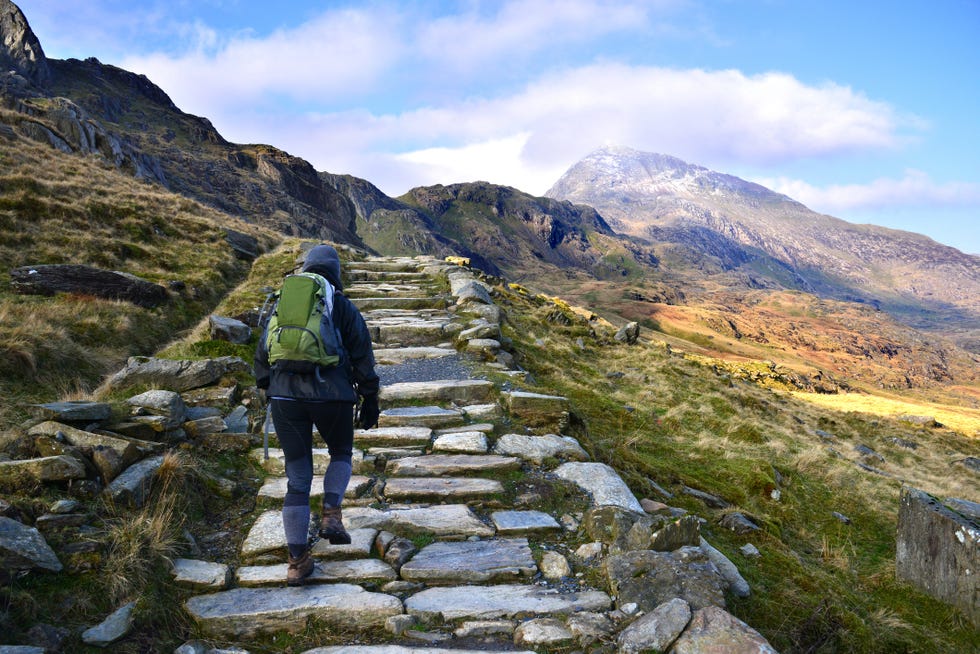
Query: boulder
x: 229, y: 329
x: 656, y: 630
x: 628, y: 334
x: 713, y: 629
x: 48, y: 279
x: 75, y: 411
x: 24, y: 548
x: 175, y: 375
x: 538, y: 448
x: 938, y: 551
x: 602, y: 482
x: 648, y: 579
x: 167, y: 404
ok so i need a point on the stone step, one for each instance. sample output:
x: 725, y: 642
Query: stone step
x: 357, y: 571
x: 500, y: 601
x: 397, y: 264
x: 361, y: 275
x: 472, y: 562
x: 463, y: 442
x: 459, y: 391
x: 275, y: 487
x: 248, y: 612
x: 398, y: 355
x: 517, y: 523
x: 447, y: 521
x: 266, y: 538
x: 402, y: 333
x: 433, y: 465
x: 407, y: 303
x: 421, y: 416
x: 393, y: 437
x: 381, y: 289
x: 440, y: 488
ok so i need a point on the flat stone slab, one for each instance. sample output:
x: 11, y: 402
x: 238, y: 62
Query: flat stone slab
x: 25, y: 472
x: 433, y: 465
x: 440, y: 488
x: 24, y: 548
x: 400, y: 649
x: 421, y: 416
x: 500, y: 601
x: 247, y: 612
x: 602, y: 482
x: 275, y: 487
x: 358, y: 571
x: 80, y: 438
x: 132, y: 485
x: 202, y: 574
x: 266, y: 535
x: 446, y: 521
x: 360, y: 546
x: 523, y: 522
x: 538, y: 448
x: 475, y: 562
x: 396, y: 355
x: 464, y: 442
x: 276, y: 464
x: 461, y: 391
x: 393, y: 437
x: 77, y: 410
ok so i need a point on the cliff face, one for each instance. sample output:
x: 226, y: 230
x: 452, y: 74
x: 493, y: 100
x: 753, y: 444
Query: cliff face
x: 20, y: 51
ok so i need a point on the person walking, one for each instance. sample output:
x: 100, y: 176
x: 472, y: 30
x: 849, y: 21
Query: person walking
x: 326, y: 398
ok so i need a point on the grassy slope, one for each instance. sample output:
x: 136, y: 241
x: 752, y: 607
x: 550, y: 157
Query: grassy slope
x: 70, y: 209
x: 820, y: 585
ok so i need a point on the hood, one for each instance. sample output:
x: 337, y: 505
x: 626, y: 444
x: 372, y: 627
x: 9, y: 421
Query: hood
x: 324, y: 260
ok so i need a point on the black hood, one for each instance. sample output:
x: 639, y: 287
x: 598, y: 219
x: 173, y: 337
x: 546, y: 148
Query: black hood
x: 325, y: 261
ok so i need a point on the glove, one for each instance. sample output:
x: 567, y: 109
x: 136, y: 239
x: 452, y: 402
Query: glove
x: 369, y: 412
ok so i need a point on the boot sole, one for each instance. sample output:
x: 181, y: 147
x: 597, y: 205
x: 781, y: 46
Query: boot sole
x: 335, y: 538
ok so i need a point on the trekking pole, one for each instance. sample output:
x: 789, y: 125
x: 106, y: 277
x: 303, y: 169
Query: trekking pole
x: 268, y: 419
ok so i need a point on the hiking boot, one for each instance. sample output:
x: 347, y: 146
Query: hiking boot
x: 332, y: 526
x: 299, y: 569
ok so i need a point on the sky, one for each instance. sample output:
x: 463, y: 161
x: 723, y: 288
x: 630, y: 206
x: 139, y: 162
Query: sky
x: 868, y: 111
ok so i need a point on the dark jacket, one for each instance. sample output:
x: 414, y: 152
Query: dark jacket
x: 335, y: 384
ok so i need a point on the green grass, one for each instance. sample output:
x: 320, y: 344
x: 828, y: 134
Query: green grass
x: 820, y: 585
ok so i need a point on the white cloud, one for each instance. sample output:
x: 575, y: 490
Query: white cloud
x: 914, y: 189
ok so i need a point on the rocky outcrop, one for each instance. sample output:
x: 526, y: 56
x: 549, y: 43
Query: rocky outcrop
x: 938, y: 551
x: 20, y: 51
x: 48, y: 279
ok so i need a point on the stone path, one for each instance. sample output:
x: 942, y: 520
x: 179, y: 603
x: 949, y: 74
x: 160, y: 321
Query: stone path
x: 457, y: 539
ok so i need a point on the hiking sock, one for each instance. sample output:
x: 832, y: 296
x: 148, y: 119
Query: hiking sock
x: 335, y: 481
x: 296, y: 524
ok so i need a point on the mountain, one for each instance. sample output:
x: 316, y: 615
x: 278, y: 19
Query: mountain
x: 86, y: 107
x: 745, y: 235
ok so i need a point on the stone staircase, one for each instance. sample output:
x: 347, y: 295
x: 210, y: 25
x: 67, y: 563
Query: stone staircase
x: 464, y: 521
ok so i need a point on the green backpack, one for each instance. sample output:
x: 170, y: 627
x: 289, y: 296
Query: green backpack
x: 294, y: 339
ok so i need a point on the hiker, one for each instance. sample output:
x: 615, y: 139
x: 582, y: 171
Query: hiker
x: 325, y: 397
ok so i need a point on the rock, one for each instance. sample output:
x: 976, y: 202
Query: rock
x: 229, y: 329
x: 589, y: 551
x: 712, y: 629
x: 542, y: 632
x: 523, y: 522
x: 393, y: 437
x: 666, y: 537
x: 246, y: 612
x: 236, y: 422
x: 204, y: 426
x: 657, y: 629
x: 468, y: 442
x: 48, y: 637
x: 399, y: 624
x: 74, y: 411
x: 460, y: 391
x: 650, y: 578
x: 485, y: 628
x: 709, y: 499
x: 749, y: 550
x: 602, y: 483
x: 27, y: 472
x: 167, y: 404
x: 538, y: 448
x: 130, y: 488
x: 431, y: 416
x: 535, y: 409
x: 456, y: 489
x: 113, y: 628
x: 739, y: 523
x: 554, y: 566
x: 966, y: 508
x: 471, y: 562
x: 500, y: 601
x: 472, y: 291
x: 202, y: 574
x: 48, y: 279
x: 728, y: 570
x: 651, y: 506
x: 628, y: 333
x: 451, y: 464
x: 398, y: 552
x: 21, y: 51
x: 175, y: 375
x: 938, y: 551
x: 355, y: 571
x: 127, y: 450
x: 24, y: 548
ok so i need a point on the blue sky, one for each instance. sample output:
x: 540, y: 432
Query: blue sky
x: 868, y: 111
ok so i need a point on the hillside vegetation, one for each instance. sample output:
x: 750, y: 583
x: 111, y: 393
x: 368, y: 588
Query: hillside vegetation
x: 76, y: 209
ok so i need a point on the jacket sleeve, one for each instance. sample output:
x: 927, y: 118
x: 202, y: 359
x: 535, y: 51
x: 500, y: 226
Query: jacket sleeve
x: 357, y: 343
